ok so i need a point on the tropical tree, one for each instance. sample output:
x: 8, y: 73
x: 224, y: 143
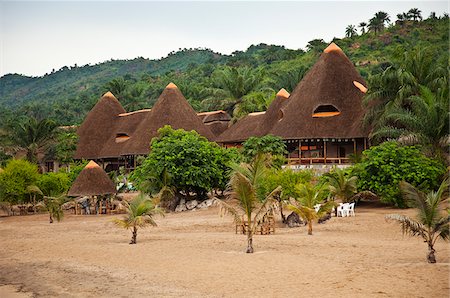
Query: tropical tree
x: 375, y: 25
x: 340, y: 185
x: 415, y: 14
x: 383, y: 17
x: 32, y: 136
x: 309, y: 197
x: 54, y: 207
x: 363, y: 26
x: 432, y: 222
x: 287, y: 79
x: 244, y: 184
x: 316, y: 45
x: 117, y: 87
x: 350, y: 31
x: 140, y: 213
x: 268, y: 144
x: 421, y: 120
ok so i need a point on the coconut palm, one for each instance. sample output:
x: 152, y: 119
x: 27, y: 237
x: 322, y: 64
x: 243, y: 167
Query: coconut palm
x: 432, y: 221
x: 309, y: 197
x: 340, y: 185
x: 54, y: 207
x: 383, y: 17
x: 350, y: 31
x: 363, y: 26
x: 375, y: 25
x: 415, y: 14
x: 245, y: 182
x: 424, y: 120
x: 140, y: 212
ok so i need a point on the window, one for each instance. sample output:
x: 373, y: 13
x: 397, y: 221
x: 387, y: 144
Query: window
x: 121, y: 137
x: 325, y: 111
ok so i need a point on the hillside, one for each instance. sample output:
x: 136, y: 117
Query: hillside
x: 69, y: 93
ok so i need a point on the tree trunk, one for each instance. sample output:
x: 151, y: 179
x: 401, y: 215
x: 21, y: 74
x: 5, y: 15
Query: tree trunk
x: 249, y: 241
x: 51, y: 218
x: 430, y: 257
x: 283, y: 218
x: 133, y: 238
x: 310, y: 227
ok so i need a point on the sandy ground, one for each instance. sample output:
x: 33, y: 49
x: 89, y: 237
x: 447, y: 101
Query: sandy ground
x: 197, y: 254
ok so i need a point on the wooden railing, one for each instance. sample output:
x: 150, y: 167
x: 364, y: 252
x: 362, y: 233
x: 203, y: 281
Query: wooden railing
x: 318, y: 160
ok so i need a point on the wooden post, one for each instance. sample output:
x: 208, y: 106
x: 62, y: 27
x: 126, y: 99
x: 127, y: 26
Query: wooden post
x: 300, y: 151
x: 365, y: 144
x: 354, y: 146
x: 325, y: 151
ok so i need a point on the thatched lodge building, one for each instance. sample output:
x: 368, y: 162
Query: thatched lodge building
x: 114, y: 137
x: 321, y: 121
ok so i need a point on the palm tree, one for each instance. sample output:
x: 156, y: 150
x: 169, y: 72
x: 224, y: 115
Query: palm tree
x: 309, y: 197
x: 161, y: 187
x: 383, y: 17
x: 375, y: 25
x: 340, y: 185
x: 245, y: 183
x: 140, y: 212
x: 350, y: 31
x: 316, y: 45
x: 234, y: 83
x: 415, y: 14
x: 117, y: 87
x: 432, y: 221
x: 287, y: 79
x: 423, y: 120
x: 34, y: 191
x: 53, y: 206
x: 363, y: 26
x: 32, y: 136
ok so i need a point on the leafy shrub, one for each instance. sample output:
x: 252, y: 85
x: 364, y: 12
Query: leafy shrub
x: 384, y: 166
x: 194, y: 164
x: 54, y: 184
x: 15, y: 179
x: 267, y: 144
x: 287, y: 179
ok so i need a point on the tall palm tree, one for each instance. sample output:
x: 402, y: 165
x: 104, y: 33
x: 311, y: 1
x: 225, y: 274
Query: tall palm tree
x: 383, y: 17
x: 415, y: 14
x: 363, y: 26
x: 245, y: 182
x: 33, y: 136
x: 140, y: 212
x: 432, y: 222
x: 424, y: 119
x: 375, y: 25
x: 309, y: 197
x: 340, y: 186
x: 350, y: 31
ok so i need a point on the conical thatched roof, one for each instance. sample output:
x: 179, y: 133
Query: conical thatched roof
x: 256, y: 124
x: 92, y: 181
x: 170, y: 109
x: 327, y: 103
x: 98, y: 127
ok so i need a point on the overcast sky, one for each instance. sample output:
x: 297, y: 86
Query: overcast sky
x: 37, y: 37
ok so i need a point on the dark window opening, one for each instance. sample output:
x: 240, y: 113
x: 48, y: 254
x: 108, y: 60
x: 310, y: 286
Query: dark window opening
x: 325, y: 111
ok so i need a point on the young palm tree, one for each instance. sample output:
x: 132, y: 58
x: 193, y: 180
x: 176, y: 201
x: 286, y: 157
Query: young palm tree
x: 244, y: 184
x: 432, y: 221
x: 140, y: 212
x: 34, y: 191
x: 309, y: 197
x: 54, y: 207
x: 341, y: 187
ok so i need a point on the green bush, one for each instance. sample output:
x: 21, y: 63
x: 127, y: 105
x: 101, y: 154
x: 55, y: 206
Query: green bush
x: 287, y: 179
x: 194, y: 164
x: 54, y: 184
x: 273, y: 145
x: 15, y: 179
x: 384, y: 166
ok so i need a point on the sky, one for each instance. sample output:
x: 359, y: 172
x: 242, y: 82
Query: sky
x: 37, y: 36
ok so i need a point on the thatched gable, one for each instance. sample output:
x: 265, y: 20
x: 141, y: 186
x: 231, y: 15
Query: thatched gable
x: 170, y: 109
x: 98, y: 127
x: 92, y: 181
x: 216, y: 121
x: 327, y: 103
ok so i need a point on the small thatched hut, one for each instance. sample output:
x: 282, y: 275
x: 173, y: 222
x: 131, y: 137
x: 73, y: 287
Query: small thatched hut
x: 92, y: 181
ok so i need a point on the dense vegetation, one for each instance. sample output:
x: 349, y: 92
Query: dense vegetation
x: 204, y: 77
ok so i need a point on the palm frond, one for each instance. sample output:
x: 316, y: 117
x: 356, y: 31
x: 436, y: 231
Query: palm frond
x: 409, y: 225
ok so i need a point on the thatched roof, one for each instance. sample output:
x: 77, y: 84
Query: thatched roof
x: 216, y: 121
x: 92, y: 181
x: 170, y: 109
x: 98, y: 126
x: 327, y: 103
x: 256, y: 124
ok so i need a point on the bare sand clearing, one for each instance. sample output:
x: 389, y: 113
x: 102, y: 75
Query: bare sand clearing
x: 197, y: 254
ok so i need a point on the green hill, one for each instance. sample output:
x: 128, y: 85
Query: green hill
x: 69, y: 93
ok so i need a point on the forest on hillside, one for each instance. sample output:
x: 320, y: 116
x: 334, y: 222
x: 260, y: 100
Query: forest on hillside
x: 243, y: 82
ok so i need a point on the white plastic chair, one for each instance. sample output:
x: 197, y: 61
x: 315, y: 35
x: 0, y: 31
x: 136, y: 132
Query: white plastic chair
x: 342, y: 210
x: 317, y: 207
x: 351, y: 209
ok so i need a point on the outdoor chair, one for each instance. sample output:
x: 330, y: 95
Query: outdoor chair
x: 351, y: 209
x: 342, y: 210
x: 317, y: 207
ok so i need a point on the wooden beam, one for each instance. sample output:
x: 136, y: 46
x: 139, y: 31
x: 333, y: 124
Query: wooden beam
x: 325, y: 151
x: 300, y: 151
x: 354, y: 146
x: 365, y: 144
